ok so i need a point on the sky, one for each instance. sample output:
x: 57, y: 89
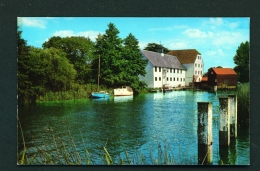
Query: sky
x: 217, y: 39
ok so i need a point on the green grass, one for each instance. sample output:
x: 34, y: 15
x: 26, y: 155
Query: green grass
x: 243, y: 97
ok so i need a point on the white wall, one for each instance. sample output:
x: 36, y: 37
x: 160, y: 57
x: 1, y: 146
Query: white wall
x: 149, y: 77
x: 189, y: 73
x: 198, y: 68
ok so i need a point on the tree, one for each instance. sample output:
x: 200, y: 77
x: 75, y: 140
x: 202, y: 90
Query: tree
x: 156, y: 48
x: 22, y: 68
x: 109, y: 48
x: 241, y: 59
x: 51, y: 69
x: 79, y: 51
x: 133, y: 64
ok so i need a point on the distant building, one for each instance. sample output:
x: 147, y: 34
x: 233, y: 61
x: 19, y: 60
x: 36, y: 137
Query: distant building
x: 222, y: 77
x: 192, y: 60
x: 163, y: 69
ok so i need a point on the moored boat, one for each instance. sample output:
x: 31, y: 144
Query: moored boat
x: 123, y: 91
x: 100, y: 94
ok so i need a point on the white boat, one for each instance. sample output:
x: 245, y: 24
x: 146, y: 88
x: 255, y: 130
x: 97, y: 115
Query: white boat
x: 123, y: 91
x: 99, y: 94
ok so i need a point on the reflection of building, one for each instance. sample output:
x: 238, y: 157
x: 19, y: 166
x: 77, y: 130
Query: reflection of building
x: 222, y: 76
x: 192, y: 60
x: 163, y: 69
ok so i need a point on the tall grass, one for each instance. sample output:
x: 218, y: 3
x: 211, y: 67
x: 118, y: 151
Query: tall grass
x: 77, y: 91
x: 243, y: 95
x: 59, y: 150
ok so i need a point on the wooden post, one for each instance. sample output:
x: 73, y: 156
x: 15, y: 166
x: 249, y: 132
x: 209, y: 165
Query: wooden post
x: 233, y: 116
x: 205, y: 133
x: 224, y: 119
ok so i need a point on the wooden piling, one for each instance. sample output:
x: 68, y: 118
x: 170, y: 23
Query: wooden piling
x: 205, y: 133
x: 224, y: 121
x: 233, y: 115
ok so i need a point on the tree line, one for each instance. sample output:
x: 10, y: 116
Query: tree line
x: 62, y: 63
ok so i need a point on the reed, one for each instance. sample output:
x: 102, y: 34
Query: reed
x: 243, y: 94
x: 64, y: 151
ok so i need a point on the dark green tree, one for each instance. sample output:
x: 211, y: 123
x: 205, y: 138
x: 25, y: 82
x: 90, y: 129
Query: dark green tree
x: 241, y: 59
x: 133, y: 64
x: 79, y: 51
x: 109, y: 48
x: 22, y: 69
x: 52, y: 70
x: 156, y: 48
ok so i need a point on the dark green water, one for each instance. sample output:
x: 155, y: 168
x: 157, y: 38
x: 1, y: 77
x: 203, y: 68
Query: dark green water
x: 131, y: 124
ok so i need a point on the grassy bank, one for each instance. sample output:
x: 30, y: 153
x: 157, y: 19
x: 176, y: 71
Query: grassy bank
x: 76, y: 92
x: 243, y: 97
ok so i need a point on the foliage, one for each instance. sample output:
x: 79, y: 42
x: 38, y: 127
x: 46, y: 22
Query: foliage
x: 243, y: 94
x: 41, y: 70
x: 241, y: 59
x: 79, y: 51
x: 156, y: 48
x: 121, y: 61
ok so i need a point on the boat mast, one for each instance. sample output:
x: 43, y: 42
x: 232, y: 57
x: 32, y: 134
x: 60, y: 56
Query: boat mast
x: 98, y: 70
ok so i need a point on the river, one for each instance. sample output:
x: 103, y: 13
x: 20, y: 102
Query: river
x: 143, y: 124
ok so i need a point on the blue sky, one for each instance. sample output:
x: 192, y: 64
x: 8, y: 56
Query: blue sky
x: 217, y: 39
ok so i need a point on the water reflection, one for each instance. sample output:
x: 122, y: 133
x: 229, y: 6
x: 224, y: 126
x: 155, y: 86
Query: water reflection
x: 130, y: 123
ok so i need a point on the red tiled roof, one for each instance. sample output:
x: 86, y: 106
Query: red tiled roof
x: 204, y: 79
x: 185, y: 56
x: 224, y: 71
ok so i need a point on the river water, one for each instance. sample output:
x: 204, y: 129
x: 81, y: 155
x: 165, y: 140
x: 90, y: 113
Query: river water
x: 143, y: 124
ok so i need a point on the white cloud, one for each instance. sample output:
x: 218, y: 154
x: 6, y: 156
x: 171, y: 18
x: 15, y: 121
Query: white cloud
x: 31, y: 22
x: 142, y: 44
x: 68, y: 33
x: 64, y: 33
x: 177, y: 45
x: 195, y: 33
x: 170, y: 28
x: 220, y: 52
x: 233, y: 25
x: 216, y: 21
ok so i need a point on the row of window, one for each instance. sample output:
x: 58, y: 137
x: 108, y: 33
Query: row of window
x: 171, y: 70
x: 199, y: 65
x: 199, y: 72
x: 199, y: 57
x: 171, y: 79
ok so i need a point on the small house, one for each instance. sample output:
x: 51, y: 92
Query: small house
x: 192, y: 60
x: 163, y: 69
x: 222, y: 77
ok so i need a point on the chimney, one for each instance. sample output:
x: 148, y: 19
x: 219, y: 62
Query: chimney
x: 162, y: 54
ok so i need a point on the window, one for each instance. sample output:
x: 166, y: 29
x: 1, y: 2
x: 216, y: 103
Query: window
x: 173, y: 78
x: 170, y: 70
x: 155, y: 68
x: 215, y: 80
x: 198, y: 65
x: 159, y: 78
x: 155, y: 78
x: 159, y: 69
x: 177, y: 79
x: 167, y: 78
x: 211, y: 72
x: 181, y: 79
x: 181, y: 71
x: 170, y: 78
x: 195, y: 65
x: 195, y: 72
x: 173, y: 70
x: 177, y: 70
